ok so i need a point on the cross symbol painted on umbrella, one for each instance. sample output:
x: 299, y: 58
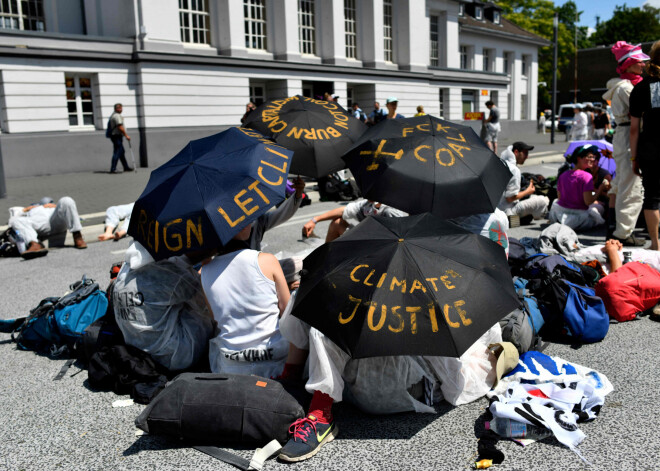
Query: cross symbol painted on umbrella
x: 378, y: 152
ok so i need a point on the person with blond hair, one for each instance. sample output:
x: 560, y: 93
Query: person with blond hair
x: 645, y: 141
x: 420, y: 111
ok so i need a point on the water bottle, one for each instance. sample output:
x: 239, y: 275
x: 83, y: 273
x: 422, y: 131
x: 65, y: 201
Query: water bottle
x: 16, y: 237
x: 514, y: 429
x: 627, y: 257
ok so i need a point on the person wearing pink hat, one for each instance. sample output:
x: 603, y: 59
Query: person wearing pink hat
x: 626, y: 186
x: 645, y: 141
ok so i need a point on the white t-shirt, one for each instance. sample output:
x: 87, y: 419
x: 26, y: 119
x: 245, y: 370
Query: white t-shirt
x: 245, y: 305
x: 513, y: 187
x: 361, y: 209
x: 493, y: 225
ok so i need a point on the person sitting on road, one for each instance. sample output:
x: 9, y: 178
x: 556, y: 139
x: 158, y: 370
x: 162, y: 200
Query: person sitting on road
x: 113, y: 216
x: 38, y: 222
x: 517, y: 203
x: 340, y: 217
x: 160, y: 307
x: 276, y: 216
x: 247, y: 292
x: 577, y: 205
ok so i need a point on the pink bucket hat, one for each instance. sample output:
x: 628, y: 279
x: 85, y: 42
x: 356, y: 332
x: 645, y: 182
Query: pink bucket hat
x: 627, y: 55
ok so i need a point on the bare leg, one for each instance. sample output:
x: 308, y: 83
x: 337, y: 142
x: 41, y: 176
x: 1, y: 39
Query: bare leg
x: 107, y: 235
x: 336, y: 228
x: 652, y: 217
x: 495, y: 147
x: 490, y: 145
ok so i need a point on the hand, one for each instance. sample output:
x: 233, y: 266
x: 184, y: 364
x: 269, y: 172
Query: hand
x: 299, y: 185
x: 531, y: 188
x: 308, y: 228
x: 636, y: 169
x: 128, y: 138
x: 27, y: 208
x: 604, y: 186
x: 50, y: 205
x: 612, y: 246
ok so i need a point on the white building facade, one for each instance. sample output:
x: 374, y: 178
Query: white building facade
x: 184, y: 69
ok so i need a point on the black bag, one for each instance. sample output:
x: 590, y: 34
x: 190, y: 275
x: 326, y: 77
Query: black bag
x: 126, y: 370
x: 214, y: 409
x: 7, y: 246
x: 103, y: 332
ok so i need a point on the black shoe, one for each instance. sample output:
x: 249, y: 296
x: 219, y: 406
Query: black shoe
x: 129, y: 169
x: 631, y: 241
x: 115, y: 171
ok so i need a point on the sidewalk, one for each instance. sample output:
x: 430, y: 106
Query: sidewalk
x: 96, y: 191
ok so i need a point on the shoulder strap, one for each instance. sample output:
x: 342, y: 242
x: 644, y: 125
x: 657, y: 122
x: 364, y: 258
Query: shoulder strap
x: 256, y: 463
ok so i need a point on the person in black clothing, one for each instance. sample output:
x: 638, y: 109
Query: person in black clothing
x: 601, y: 124
x: 645, y: 141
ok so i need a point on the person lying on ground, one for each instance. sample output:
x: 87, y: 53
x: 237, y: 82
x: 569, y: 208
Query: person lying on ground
x: 276, y: 216
x: 340, y: 217
x: 516, y: 201
x: 247, y: 293
x: 161, y: 309
x: 113, y: 216
x: 38, y: 222
x: 577, y: 205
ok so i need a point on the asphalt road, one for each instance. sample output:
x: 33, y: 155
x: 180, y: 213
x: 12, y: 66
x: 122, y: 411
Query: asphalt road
x: 51, y: 425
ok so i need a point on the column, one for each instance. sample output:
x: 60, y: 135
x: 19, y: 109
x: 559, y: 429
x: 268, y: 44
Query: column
x: 411, y: 30
x: 285, y: 30
x: 370, y: 33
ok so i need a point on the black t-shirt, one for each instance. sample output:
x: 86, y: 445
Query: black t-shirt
x: 645, y: 104
x: 601, y: 121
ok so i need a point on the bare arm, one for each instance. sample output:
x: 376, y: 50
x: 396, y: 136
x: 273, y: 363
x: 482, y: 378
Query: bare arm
x: 528, y: 191
x: 634, y: 140
x: 272, y: 269
x: 123, y: 131
x: 327, y: 216
x: 611, y: 249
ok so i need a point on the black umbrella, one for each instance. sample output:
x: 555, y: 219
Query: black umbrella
x: 426, y: 164
x: 405, y: 286
x: 208, y: 192
x: 318, y: 131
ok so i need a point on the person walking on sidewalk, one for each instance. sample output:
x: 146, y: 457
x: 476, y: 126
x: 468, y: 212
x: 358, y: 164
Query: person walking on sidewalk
x: 117, y: 135
x: 40, y: 221
x: 492, y: 124
x: 626, y: 187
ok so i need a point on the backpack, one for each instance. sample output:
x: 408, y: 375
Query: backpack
x: 8, y: 247
x: 521, y: 327
x: 584, y: 316
x: 632, y: 289
x: 109, y: 128
x: 57, y: 324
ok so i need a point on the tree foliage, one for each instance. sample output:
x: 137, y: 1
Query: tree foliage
x: 635, y: 25
x: 537, y: 16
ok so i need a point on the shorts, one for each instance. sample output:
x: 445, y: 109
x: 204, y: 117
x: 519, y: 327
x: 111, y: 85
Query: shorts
x: 492, y: 130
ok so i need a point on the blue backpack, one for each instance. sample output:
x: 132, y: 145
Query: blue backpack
x: 585, y: 317
x: 521, y: 327
x: 57, y: 324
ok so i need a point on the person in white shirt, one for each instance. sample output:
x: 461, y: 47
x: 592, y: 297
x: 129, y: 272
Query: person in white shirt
x: 580, y: 129
x: 515, y: 201
x: 247, y: 292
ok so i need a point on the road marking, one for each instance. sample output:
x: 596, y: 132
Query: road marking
x: 115, y: 252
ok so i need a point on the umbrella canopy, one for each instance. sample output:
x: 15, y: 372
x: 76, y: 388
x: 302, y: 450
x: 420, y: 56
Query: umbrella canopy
x: 318, y: 132
x: 606, y: 160
x: 208, y: 192
x: 426, y: 164
x: 405, y: 286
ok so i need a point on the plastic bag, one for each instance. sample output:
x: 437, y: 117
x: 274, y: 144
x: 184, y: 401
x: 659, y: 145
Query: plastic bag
x: 471, y: 376
x: 161, y: 309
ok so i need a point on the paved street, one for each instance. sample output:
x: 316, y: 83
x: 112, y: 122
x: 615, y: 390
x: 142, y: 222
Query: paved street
x: 50, y: 425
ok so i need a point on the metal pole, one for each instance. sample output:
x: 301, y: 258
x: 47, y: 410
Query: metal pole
x: 575, y: 100
x: 554, y: 79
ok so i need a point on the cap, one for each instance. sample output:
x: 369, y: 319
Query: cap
x: 627, y: 55
x: 46, y: 200
x: 507, y: 358
x: 392, y: 99
x: 578, y: 106
x: 519, y: 145
x: 335, y: 97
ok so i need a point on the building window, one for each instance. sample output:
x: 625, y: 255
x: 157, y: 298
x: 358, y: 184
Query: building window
x: 461, y: 9
x: 523, y: 107
x: 194, y: 21
x: 496, y: 17
x: 478, y: 13
x: 443, y: 97
x: 467, y: 99
x: 306, y: 33
x: 21, y: 14
x: 463, y: 53
x: 79, y: 101
x: 524, y: 66
x: 388, y: 31
x: 350, y: 29
x: 257, y: 93
x: 254, y: 12
x: 507, y: 62
x: 434, y: 50
x: 494, y: 97
x: 487, y: 57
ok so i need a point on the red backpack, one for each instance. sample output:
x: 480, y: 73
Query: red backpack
x: 633, y: 288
